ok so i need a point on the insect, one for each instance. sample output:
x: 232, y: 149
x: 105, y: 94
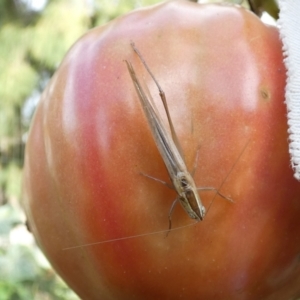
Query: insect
x: 170, y: 150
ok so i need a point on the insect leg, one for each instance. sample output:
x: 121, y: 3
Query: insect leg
x: 214, y: 189
x: 170, y: 215
x: 170, y: 186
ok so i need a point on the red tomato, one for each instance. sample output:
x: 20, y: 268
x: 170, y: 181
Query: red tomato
x: 222, y: 71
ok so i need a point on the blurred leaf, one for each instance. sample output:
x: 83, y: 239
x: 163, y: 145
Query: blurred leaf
x: 9, y: 218
x: 269, y: 6
x: 106, y: 10
x: 14, y: 178
x: 23, y: 267
x: 18, y: 78
x: 63, y: 22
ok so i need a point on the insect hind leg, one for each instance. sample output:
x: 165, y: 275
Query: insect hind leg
x: 170, y: 215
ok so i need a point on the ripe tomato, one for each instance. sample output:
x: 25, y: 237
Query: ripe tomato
x: 222, y: 72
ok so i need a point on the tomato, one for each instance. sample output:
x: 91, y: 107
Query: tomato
x: 222, y: 72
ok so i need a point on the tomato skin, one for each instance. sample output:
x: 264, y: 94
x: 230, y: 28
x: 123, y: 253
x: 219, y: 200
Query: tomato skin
x: 222, y: 71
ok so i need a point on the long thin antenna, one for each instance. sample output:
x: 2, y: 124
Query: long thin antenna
x: 230, y: 171
x: 128, y: 237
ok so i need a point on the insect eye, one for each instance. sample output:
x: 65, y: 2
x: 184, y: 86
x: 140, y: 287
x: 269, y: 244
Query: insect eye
x: 184, y: 182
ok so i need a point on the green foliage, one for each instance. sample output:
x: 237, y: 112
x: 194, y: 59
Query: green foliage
x: 270, y: 6
x: 67, y: 23
x: 106, y: 10
x: 24, y: 272
x: 39, y: 44
x: 17, y: 76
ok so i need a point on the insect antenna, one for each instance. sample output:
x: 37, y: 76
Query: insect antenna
x: 128, y: 237
x: 224, y: 180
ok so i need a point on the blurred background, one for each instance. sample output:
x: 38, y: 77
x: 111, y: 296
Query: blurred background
x: 34, y: 37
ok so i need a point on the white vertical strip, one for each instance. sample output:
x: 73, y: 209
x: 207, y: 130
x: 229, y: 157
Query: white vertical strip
x: 289, y: 27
